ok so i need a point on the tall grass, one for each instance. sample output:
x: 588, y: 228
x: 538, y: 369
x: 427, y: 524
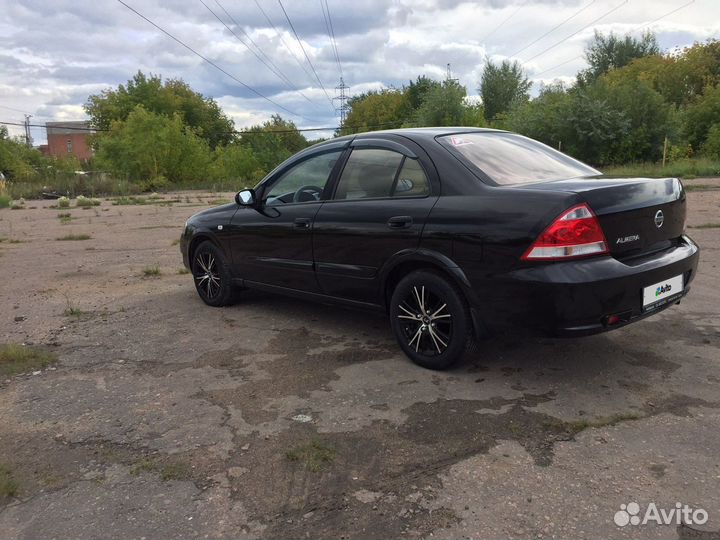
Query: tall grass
x: 101, y: 184
x: 683, y: 168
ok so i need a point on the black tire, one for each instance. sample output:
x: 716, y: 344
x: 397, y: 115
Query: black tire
x: 212, y: 277
x: 437, y: 338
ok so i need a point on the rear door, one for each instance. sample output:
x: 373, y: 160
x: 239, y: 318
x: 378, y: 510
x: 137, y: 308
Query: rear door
x: 379, y: 206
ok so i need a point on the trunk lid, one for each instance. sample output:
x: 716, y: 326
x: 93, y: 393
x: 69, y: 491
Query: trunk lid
x: 637, y: 215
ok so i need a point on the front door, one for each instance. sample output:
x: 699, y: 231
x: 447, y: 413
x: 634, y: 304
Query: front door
x: 272, y: 244
x: 378, y: 209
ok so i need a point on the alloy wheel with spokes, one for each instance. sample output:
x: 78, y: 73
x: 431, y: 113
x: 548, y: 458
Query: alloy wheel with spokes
x: 426, y: 321
x: 430, y: 319
x: 213, y: 280
x: 207, y: 278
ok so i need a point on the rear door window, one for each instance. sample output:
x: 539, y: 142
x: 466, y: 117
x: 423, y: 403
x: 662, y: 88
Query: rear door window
x: 412, y: 180
x: 372, y: 173
x: 369, y: 174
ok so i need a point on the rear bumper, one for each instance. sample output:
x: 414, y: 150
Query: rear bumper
x: 577, y: 298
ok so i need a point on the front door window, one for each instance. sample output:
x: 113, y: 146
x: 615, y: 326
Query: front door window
x: 304, y: 182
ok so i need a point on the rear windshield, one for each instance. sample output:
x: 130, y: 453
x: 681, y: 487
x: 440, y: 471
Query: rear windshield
x: 507, y: 158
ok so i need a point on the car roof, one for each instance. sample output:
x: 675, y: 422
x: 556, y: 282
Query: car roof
x: 415, y: 133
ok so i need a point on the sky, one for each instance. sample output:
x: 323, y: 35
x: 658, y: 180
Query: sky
x: 53, y: 55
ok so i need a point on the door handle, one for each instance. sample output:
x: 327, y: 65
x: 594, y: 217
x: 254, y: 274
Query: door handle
x: 302, y: 223
x: 400, y: 222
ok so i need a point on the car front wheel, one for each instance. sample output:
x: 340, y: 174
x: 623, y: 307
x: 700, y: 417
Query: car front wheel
x: 212, y: 277
x: 430, y: 319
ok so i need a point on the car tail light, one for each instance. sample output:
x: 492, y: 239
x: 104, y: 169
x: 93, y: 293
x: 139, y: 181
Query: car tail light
x: 576, y: 233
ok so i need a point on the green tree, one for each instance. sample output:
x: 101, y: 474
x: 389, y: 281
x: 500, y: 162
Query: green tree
x: 604, y: 53
x: 414, y: 95
x: 701, y: 115
x: 473, y: 114
x: 153, y: 148
x: 502, y: 87
x: 711, y: 146
x: 591, y: 126
x: 375, y: 110
x: 647, y: 116
x: 18, y: 162
x: 678, y: 77
x: 545, y: 117
x: 170, y: 97
x: 236, y: 163
x: 273, y: 141
x: 442, y: 105
x: 700, y: 67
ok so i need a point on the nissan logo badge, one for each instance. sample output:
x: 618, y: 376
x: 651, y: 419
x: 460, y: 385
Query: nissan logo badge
x: 659, y: 218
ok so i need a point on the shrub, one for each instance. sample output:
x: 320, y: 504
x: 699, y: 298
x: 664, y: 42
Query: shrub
x: 711, y: 147
x: 63, y: 202
x: 86, y: 202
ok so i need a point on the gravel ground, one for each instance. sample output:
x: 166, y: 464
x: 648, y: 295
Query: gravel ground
x: 281, y: 418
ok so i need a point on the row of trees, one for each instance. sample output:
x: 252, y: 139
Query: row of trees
x: 618, y: 110
x: 630, y: 104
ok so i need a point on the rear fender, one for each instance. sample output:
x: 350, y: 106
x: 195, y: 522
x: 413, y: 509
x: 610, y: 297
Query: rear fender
x: 407, y: 260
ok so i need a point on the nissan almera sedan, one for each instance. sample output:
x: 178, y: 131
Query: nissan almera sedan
x: 455, y: 233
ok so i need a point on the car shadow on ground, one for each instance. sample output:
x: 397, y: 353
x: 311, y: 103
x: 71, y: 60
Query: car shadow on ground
x: 631, y: 359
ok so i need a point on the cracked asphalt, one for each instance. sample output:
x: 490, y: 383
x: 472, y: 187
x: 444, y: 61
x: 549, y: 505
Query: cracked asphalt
x: 164, y: 418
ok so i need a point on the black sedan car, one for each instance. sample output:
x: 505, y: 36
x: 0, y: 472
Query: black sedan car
x: 455, y: 233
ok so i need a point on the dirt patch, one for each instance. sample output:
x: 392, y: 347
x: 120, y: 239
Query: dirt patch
x: 294, y: 362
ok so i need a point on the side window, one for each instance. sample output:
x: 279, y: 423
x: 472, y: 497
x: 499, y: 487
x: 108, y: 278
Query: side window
x: 368, y: 173
x: 305, y: 181
x: 412, y: 181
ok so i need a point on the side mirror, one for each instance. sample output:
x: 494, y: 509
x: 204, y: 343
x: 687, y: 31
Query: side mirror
x: 246, y: 197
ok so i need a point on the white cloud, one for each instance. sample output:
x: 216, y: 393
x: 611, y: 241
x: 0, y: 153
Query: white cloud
x: 49, y: 68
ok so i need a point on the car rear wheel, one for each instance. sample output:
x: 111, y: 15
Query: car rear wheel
x: 211, y: 275
x: 430, y: 319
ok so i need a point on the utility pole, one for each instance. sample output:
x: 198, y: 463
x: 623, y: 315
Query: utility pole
x: 341, y: 97
x: 28, y: 138
x: 448, y: 76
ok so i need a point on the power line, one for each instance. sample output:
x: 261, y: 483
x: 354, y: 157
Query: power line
x: 482, y: 40
x: 558, y: 65
x: 269, y: 63
x: 340, y: 95
x: 663, y: 16
x: 578, y: 12
x: 251, y: 89
x: 69, y: 128
x: 331, y: 34
x: 304, y: 52
x: 284, y: 79
x: 282, y: 39
x: 633, y: 30
x: 576, y: 31
x: 13, y: 109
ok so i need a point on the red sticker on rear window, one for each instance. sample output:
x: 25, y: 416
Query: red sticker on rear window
x: 459, y: 141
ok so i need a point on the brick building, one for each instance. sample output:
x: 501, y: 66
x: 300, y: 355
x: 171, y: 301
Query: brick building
x: 68, y: 139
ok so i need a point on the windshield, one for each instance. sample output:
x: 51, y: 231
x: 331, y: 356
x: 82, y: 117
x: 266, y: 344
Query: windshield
x: 507, y: 158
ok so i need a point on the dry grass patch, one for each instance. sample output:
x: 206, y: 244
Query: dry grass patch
x: 74, y: 237
x: 16, y: 358
x: 315, y: 455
